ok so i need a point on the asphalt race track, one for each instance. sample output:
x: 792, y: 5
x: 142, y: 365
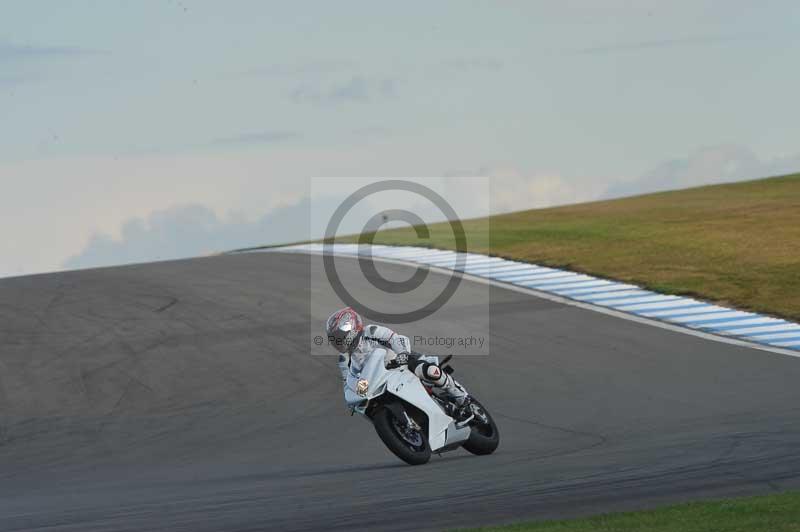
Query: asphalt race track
x: 183, y: 396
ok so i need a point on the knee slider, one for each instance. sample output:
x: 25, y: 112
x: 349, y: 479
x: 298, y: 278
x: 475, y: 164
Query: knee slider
x: 431, y: 373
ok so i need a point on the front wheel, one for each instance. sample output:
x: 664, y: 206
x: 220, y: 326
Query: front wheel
x: 406, y: 441
x: 484, y: 437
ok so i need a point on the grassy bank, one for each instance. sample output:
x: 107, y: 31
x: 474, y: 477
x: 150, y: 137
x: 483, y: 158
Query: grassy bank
x: 771, y: 513
x: 737, y: 244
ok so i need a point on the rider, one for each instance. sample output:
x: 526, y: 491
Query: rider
x: 346, y: 332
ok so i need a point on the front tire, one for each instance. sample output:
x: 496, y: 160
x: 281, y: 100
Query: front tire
x: 484, y: 437
x: 408, y: 445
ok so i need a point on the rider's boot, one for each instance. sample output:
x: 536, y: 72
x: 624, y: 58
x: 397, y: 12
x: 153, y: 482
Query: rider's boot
x: 445, y: 387
x: 464, y: 411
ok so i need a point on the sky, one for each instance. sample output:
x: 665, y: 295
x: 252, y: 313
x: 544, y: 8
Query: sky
x: 137, y: 131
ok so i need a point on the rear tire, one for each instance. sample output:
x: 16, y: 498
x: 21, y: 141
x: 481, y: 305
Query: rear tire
x: 484, y: 437
x: 386, y: 425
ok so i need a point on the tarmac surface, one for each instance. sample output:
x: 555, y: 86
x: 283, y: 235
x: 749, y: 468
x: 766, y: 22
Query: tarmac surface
x: 187, y: 395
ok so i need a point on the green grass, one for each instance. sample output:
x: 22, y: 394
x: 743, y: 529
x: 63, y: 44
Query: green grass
x: 737, y: 244
x: 771, y: 513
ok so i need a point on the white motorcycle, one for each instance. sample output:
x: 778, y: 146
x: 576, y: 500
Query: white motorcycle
x: 411, y: 421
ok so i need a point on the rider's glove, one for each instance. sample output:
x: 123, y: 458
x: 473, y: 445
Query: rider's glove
x: 400, y: 359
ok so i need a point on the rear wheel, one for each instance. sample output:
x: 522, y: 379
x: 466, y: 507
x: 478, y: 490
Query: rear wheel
x: 406, y: 440
x: 484, y: 437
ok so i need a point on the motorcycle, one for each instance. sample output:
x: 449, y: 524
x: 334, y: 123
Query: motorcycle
x: 410, y: 420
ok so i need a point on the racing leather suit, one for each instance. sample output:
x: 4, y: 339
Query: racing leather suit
x: 425, y: 367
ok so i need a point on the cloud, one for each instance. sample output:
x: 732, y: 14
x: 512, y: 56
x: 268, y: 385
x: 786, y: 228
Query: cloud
x: 473, y: 64
x: 356, y: 90
x: 188, y: 231
x: 243, y: 140
x: 191, y: 230
x: 708, y: 165
x: 663, y: 43
x: 312, y: 68
x: 262, y: 137
x: 513, y: 189
x: 183, y: 231
x: 21, y: 64
x: 512, y: 192
x: 372, y: 133
x: 12, y: 52
x: 10, y: 81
